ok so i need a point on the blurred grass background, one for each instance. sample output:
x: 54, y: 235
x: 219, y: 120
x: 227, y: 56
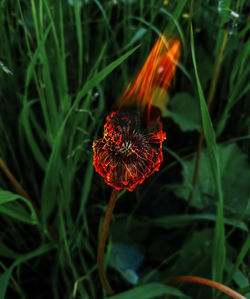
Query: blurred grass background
x: 70, y: 60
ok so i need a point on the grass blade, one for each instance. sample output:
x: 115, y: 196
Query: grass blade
x: 149, y: 291
x: 219, y: 250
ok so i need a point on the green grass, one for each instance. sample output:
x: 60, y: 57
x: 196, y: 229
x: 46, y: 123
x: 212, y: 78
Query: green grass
x: 69, y: 64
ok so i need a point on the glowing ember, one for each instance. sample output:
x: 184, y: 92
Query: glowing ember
x: 125, y: 156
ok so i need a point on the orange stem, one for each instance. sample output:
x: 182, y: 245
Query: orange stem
x: 102, y: 242
x: 208, y: 282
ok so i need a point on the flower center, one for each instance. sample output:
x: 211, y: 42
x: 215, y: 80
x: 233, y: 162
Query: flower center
x: 126, y: 147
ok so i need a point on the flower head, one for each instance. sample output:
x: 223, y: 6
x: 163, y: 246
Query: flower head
x: 126, y: 156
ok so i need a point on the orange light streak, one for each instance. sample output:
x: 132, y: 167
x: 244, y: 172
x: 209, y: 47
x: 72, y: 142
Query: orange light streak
x: 157, y: 72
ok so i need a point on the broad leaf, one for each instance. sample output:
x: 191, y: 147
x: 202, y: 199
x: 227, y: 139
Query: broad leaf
x: 185, y: 111
x: 235, y: 181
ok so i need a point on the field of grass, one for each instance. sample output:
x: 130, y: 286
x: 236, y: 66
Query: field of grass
x: 62, y: 66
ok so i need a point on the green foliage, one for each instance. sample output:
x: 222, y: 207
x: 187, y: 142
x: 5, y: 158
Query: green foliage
x: 4, y: 279
x: 235, y: 173
x: 62, y: 65
x: 184, y: 110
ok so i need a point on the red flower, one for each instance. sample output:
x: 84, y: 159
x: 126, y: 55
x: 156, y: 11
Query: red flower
x: 126, y: 156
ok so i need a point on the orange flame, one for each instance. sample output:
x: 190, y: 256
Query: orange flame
x: 155, y: 76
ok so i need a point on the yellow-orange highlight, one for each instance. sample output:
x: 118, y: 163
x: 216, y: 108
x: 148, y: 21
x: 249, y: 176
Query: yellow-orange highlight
x: 157, y: 72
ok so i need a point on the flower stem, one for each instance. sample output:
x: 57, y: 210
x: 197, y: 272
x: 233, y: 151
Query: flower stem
x: 208, y: 282
x: 102, y: 242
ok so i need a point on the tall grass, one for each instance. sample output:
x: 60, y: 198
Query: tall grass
x: 69, y: 63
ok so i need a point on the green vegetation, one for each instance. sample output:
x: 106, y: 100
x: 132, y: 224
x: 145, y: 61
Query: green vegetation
x: 63, y: 64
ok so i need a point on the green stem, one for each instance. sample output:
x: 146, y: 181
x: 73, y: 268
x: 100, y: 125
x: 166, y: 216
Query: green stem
x: 102, y: 242
x: 191, y: 6
x: 209, y: 102
x: 208, y: 282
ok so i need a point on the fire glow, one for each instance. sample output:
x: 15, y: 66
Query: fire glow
x: 156, y: 74
x: 129, y: 152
